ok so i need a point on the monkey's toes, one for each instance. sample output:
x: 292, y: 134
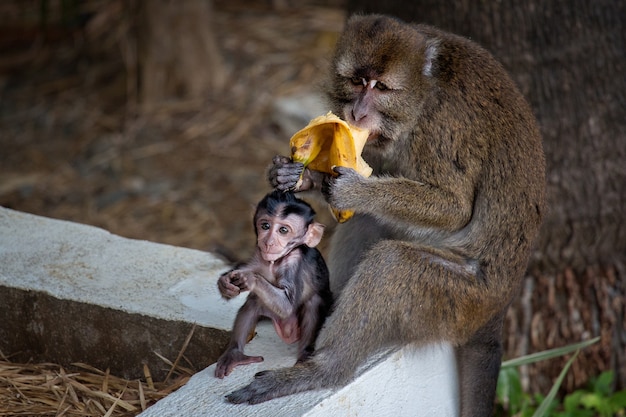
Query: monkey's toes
x: 240, y: 396
x: 264, y: 387
x: 248, y: 394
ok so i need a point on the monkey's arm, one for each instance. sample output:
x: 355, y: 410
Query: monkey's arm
x: 445, y: 207
x: 226, y: 287
x: 280, y: 301
x: 284, y: 175
x: 233, y: 356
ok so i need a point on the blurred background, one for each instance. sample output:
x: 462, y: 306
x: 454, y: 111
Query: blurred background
x: 157, y: 120
x: 152, y: 120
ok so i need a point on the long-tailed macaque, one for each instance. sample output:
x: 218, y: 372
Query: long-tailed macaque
x: 287, y: 279
x: 443, y: 228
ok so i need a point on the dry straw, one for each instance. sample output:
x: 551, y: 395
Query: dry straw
x: 47, y: 389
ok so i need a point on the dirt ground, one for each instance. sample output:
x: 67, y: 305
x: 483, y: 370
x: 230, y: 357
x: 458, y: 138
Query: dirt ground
x: 186, y: 174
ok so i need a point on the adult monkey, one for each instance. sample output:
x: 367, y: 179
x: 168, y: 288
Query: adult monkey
x: 444, y: 227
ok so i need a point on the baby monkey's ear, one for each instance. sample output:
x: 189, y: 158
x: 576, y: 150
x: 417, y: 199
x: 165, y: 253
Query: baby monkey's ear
x: 314, y: 234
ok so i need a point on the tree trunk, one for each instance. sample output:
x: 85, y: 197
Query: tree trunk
x: 568, y: 59
x: 178, y: 55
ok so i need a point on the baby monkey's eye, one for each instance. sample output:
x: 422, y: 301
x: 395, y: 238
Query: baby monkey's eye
x: 283, y: 230
x: 265, y: 226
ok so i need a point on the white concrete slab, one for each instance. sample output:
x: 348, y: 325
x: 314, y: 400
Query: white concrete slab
x: 408, y: 382
x: 87, y: 264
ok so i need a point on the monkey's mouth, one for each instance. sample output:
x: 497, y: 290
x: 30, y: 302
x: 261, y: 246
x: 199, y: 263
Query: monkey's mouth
x: 271, y: 257
x: 377, y: 140
x: 373, y: 136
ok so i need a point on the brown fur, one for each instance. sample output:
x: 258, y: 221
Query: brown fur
x: 444, y: 227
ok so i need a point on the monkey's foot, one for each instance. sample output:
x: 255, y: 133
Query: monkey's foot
x: 232, y: 358
x: 268, y: 385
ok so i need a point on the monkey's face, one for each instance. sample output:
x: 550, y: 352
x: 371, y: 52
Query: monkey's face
x: 277, y: 236
x: 377, y: 78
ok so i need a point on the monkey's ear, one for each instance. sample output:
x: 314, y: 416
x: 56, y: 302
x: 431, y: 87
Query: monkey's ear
x: 314, y: 234
x: 432, y: 50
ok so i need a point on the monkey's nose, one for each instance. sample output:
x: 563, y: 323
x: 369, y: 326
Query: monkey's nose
x: 358, y: 115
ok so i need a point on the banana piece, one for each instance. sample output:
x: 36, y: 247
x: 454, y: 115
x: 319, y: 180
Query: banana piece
x: 328, y: 141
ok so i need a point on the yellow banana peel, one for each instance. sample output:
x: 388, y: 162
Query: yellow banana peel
x: 328, y: 141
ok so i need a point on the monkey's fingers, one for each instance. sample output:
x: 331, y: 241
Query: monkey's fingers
x: 281, y: 160
x: 245, y: 360
x: 240, y: 281
x: 220, y: 370
x: 262, y: 389
x: 285, y: 176
x: 346, y: 179
x: 272, y: 384
x: 327, y: 185
x: 231, y: 360
x: 226, y: 288
x: 339, y: 170
x: 277, y: 162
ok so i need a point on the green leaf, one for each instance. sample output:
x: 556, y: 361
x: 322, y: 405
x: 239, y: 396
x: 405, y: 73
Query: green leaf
x: 509, y: 390
x: 527, y: 411
x: 547, y: 354
x: 603, y: 383
x: 592, y: 401
x: 572, y: 401
x: 618, y: 401
x: 547, y: 402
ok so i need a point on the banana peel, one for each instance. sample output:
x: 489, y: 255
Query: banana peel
x: 326, y: 142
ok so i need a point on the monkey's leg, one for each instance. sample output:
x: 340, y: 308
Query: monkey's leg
x: 399, y: 294
x: 478, y: 363
x: 245, y: 322
x: 325, y: 368
x: 313, y: 314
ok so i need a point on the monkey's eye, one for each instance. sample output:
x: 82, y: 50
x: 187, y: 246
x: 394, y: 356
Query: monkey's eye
x: 283, y: 230
x: 265, y: 226
x: 381, y: 86
x: 357, y: 81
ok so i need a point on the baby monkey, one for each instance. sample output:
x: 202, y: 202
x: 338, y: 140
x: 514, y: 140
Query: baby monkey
x: 287, y: 279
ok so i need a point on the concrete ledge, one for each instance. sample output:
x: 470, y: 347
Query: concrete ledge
x: 408, y: 382
x: 81, y: 294
x: 86, y: 265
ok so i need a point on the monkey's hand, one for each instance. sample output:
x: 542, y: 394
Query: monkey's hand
x: 226, y: 287
x: 243, y: 280
x: 286, y: 175
x: 232, y: 358
x: 341, y: 191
